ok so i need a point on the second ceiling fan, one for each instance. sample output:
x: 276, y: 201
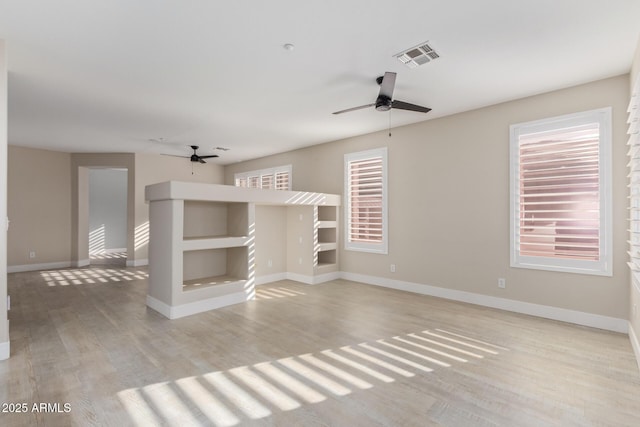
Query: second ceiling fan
x: 385, y: 100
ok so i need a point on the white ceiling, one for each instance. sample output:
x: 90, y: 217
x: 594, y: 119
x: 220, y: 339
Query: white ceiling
x: 108, y: 76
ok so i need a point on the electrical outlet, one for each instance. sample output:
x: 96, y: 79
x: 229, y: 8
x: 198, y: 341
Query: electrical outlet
x: 270, y: 263
x: 32, y: 254
x: 392, y: 268
x: 300, y: 260
x: 502, y: 283
x: 635, y: 311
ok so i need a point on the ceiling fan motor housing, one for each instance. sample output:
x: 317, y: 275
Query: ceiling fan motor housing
x: 383, y: 103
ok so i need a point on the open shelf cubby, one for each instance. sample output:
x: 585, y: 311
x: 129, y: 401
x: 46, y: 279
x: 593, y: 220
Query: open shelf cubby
x: 214, y: 219
x: 212, y: 267
x: 327, y: 213
x: 327, y: 235
x: 327, y: 257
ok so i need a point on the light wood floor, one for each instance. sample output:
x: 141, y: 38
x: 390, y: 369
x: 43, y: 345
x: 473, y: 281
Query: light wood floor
x: 339, y: 354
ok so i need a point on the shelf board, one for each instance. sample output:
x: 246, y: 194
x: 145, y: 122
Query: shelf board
x: 208, y: 282
x: 325, y: 264
x: 327, y: 224
x: 325, y: 267
x: 213, y: 242
x: 327, y: 246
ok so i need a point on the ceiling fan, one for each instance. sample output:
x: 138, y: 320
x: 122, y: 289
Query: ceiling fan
x: 195, y: 157
x: 385, y: 100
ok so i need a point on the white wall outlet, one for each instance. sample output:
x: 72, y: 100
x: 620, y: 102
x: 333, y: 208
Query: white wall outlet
x: 502, y: 283
x: 300, y: 260
x: 32, y: 254
x: 270, y: 263
x: 300, y: 239
x: 392, y: 268
x: 635, y: 311
x: 300, y: 217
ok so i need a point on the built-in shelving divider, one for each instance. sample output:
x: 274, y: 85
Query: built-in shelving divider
x: 202, y: 243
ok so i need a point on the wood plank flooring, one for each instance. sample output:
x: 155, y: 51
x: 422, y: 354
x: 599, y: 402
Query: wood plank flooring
x: 336, y: 354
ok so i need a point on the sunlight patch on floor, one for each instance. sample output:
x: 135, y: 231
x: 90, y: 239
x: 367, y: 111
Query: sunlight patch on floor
x: 245, y: 393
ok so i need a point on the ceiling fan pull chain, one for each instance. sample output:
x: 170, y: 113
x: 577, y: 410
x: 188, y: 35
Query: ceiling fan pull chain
x: 389, y: 123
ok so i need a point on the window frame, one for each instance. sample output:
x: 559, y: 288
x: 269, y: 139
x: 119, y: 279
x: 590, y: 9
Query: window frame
x: 260, y: 173
x: 603, y: 266
x: 370, y: 247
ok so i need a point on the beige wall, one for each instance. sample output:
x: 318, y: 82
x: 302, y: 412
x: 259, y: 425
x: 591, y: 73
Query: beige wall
x: 49, y: 200
x: 39, y: 205
x: 449, y: 200
x: 634, y: 315
x: 4, y: 322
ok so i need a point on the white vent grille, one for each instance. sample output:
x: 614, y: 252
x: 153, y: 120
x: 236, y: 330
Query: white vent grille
x: 417, y: 55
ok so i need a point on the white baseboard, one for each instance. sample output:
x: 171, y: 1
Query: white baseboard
x: 81, y: 263
x: 137, y: 262
x: 178, y: 311
x: 5, y: 350
x: 314, y: 280
x: 66, y: 264
x: 36, y: 267
x: 635, y: 344
x: 108, y: 251
x: 270, y: 278
x: 300, y: 278
x: 114, y: 250
x: 159, y: 306
x: 548, y: 312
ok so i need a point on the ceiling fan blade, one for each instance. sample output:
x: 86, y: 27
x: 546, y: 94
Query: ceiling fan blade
x: 209, y: 157
x: 355, y: 108
x: 388, y: 84
x: 175, y: 155
x: 201, y: 160
x: 411, y: 107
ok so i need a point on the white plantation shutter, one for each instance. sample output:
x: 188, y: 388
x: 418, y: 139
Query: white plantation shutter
x: 561, y: 204
x: 253, y: 182
x: 560, y: 193
x: 278, y: 178
x: 282, y: 180
x: 366, y: 200
x: 365, y: 191
x: 266, y: 181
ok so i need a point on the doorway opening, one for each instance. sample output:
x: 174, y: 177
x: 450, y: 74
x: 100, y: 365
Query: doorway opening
x: 108, y: 216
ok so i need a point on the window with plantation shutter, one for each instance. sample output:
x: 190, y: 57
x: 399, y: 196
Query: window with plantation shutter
x: 278, y: 178
x: 366, y: 201
x: 561, y: 194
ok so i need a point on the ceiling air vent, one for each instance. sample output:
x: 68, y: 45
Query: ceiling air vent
x: 418, y: 55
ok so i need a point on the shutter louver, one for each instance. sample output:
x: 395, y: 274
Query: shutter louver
x: 365, y: 188
x: 560, y: 193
